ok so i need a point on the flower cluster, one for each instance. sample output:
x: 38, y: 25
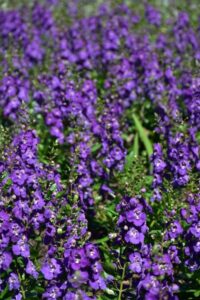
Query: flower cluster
x: 87, y: 91
x: 14, y: 91
x: 151, y: 270
x: 132, y: 220
x: 39, y: 219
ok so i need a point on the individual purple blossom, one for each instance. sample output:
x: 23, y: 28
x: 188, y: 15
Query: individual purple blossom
x: 91, y: 252
x: 19, y: 177
x: 52, y: 293
x: 175, y: 230
x: 5, y: 260
x: 151, y: 284
x: 97, y: 269
x: 18, y: 296
x: 162, y: 266
x: 13, y: 282
x: 34, y: 50
x: 15, y: 231
x: 4, y: 221
x: 153, y: 15
x: 174, y: 254
x: 21, y: 248
x: 159, y: 165
x: 78, y: 259
x: 189, y: 214
x: 136, y: 262
x: 98, y: 284
x: 51, y: 269
x: 195, y: 230
x: 136, y: 216
x: 134, y: 237
x: 31, y: 270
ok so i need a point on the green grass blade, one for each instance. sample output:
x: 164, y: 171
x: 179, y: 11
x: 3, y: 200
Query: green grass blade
x: 136, y: 145
x: 143, y: 135
x: 133, y: 153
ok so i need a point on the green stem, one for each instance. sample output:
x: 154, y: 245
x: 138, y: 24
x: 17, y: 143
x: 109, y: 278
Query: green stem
x: 121, y: 283
x: 23, y: 292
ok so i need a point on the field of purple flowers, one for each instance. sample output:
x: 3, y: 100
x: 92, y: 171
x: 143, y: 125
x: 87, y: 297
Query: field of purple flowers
x: 99, y: 150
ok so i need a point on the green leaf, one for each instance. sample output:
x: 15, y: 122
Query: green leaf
x: 111, y: 211
x: 136, y: 145
x: 53, y: 187
x: 4, y: 292
x: 39, y: 289
x: 133, y: 153
x: 20, y: 261
x: 4, y: 175
x: 102, y: 240
x: 110, y: 292
x: 8, y: 183
x: 60, y: 194
x: 197, y: 294
x: 96, y: 147
x: 143, y: 135
x: 38, y: 238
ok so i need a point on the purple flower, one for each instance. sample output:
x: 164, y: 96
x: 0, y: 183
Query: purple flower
x: 192, y: 264
x: 34, y: 50
x: 19, y: 190
x: 4, y: 221
x: 197, y: 247
x: 175, y: 230
x: 117, y: 153
x: 78, y: 259
x: 31, y: 270
x: 4, y: 241
x: 19, y: 177
x: 150, y: 283
x: 52, y: 293
x: 133, y: 236
x: 173, y: 253
x: 51, y: 269
x: 159, y: 165
x: 136, y: 216
x: 195, y: 230
x: 15, y: 232
x: 5, y: 260
x: 190, y: 214
x: 18, y: 296
x: 136, y: 262
x: 13, y: 282
x: 98, y: 284
x: 162, y: 266
x: 97, y: 269
x: 21, y: 248
x: 153, y: 15
x: 91, y: 251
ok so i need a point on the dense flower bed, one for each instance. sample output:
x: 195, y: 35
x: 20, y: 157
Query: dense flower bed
x: 99, y: 150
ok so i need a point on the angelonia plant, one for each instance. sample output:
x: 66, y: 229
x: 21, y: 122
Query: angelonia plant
x: 99, y: 150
